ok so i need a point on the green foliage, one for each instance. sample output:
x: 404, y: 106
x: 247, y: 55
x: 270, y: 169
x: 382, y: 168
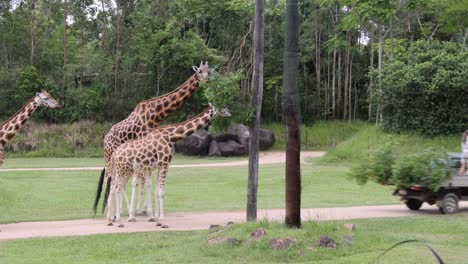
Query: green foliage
x: 387, y: 166
x: 428, y: 168
x: 424, y: 89
x: 223, y: 92
x: 377, y: 168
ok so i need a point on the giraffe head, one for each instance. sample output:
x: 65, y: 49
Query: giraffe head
x: 43, y: 98
x: 221, y: 112
x: 203, y: 71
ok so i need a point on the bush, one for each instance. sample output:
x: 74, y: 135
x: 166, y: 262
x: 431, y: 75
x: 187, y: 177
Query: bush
x: 427, y: 168
x: 377, y: 168
x: 424, y: 89
x: 223, y: 91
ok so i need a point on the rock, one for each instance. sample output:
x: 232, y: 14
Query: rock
x: 213, y: 227
x: 214, y: 149
x: 348, y: 240
x: 266, y: 139
x: 216, y: 240
x: 225, y: 137
x: 258, y: 234
x: 326, y: 241
x: 196, y: 144
x: 281, y: 243
x: 242, y: 132
x: 229, y: 223
x: 350, y: 227
x: 231, y: 148
x: 233, y: 242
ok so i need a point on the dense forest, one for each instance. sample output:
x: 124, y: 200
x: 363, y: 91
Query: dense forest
x: 376, y: 60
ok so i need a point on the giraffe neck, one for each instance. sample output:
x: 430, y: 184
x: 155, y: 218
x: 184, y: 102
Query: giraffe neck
x: 155, y: 110
x: 10, y: 127
x: 184, y: 129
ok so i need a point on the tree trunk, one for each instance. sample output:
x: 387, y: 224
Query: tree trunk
x: 257, y: 96
x: 317, y: 61
x: 65, y: 11
x: 32, y: 31
x: 346, y: 80
x: 333, y: 84
x: 117, y: 54
x: 338, y: 86
x: 291, y: 112
x: 381, y: 43
x: 371, y: 45
x: 350, y: 88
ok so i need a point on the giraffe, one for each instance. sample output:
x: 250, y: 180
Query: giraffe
x: 10, y: 127
x: 144, y: 155
x: 146, y: 116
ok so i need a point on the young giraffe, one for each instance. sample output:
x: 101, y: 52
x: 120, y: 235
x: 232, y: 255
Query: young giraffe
x: 10, y: 127
x: 146, y: 116
x: 143, y: 155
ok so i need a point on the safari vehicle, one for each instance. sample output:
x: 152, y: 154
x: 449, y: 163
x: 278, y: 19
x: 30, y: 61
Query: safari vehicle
x: 446, y: 198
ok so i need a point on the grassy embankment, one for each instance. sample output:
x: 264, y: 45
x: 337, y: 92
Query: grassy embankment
x: 446, y: 234
x: 344, y: 141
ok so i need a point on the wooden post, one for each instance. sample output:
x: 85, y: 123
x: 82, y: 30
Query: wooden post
x: 257, y: 96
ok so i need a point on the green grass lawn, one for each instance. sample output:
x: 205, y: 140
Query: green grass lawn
x: 11, y: 163
x: 446, y: 234
x: 47, y: 195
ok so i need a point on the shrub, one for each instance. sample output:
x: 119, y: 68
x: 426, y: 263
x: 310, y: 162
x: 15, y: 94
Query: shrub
x: 377, y: 168
x: 424, y: 89
x: 223, y: 91
x: 427, y: 168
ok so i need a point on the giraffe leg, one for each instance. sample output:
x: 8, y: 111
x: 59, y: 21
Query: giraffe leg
x: 160, y: 187
x: 124, y: 194
x: 118, y: 219
x: 149, y: 206
x: 2, y: 155
x: 139, y: 210
x: 110, y: 205
x: 131, y: 209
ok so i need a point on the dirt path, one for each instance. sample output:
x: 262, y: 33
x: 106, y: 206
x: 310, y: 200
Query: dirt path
x: 265, y: 158
x: 201, y: 220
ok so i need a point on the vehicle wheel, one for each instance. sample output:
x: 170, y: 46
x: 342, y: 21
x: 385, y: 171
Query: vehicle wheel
x: 413, y: 204
x: 449, y: 204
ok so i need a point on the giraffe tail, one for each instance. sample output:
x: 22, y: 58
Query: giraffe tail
x: 99, y: 190
x: 106, y: 195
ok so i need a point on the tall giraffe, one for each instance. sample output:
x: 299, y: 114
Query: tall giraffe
x: 146, y: 116
x: 10, y: 127
x: 143, y: 155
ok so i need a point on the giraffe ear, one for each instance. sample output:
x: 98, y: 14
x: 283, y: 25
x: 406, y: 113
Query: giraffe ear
x: 195, y: 68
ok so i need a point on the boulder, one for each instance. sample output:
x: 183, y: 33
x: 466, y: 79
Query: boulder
x: 326, y: 241
x: 196, y: 144
x: 281, y: 243
x: 258, y: 234
x: 214, y: 149
x: 242, y: 132
x: 233, y: 242
x: 266, y: 139
x: 231, y: 148
x: 350, y: 227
